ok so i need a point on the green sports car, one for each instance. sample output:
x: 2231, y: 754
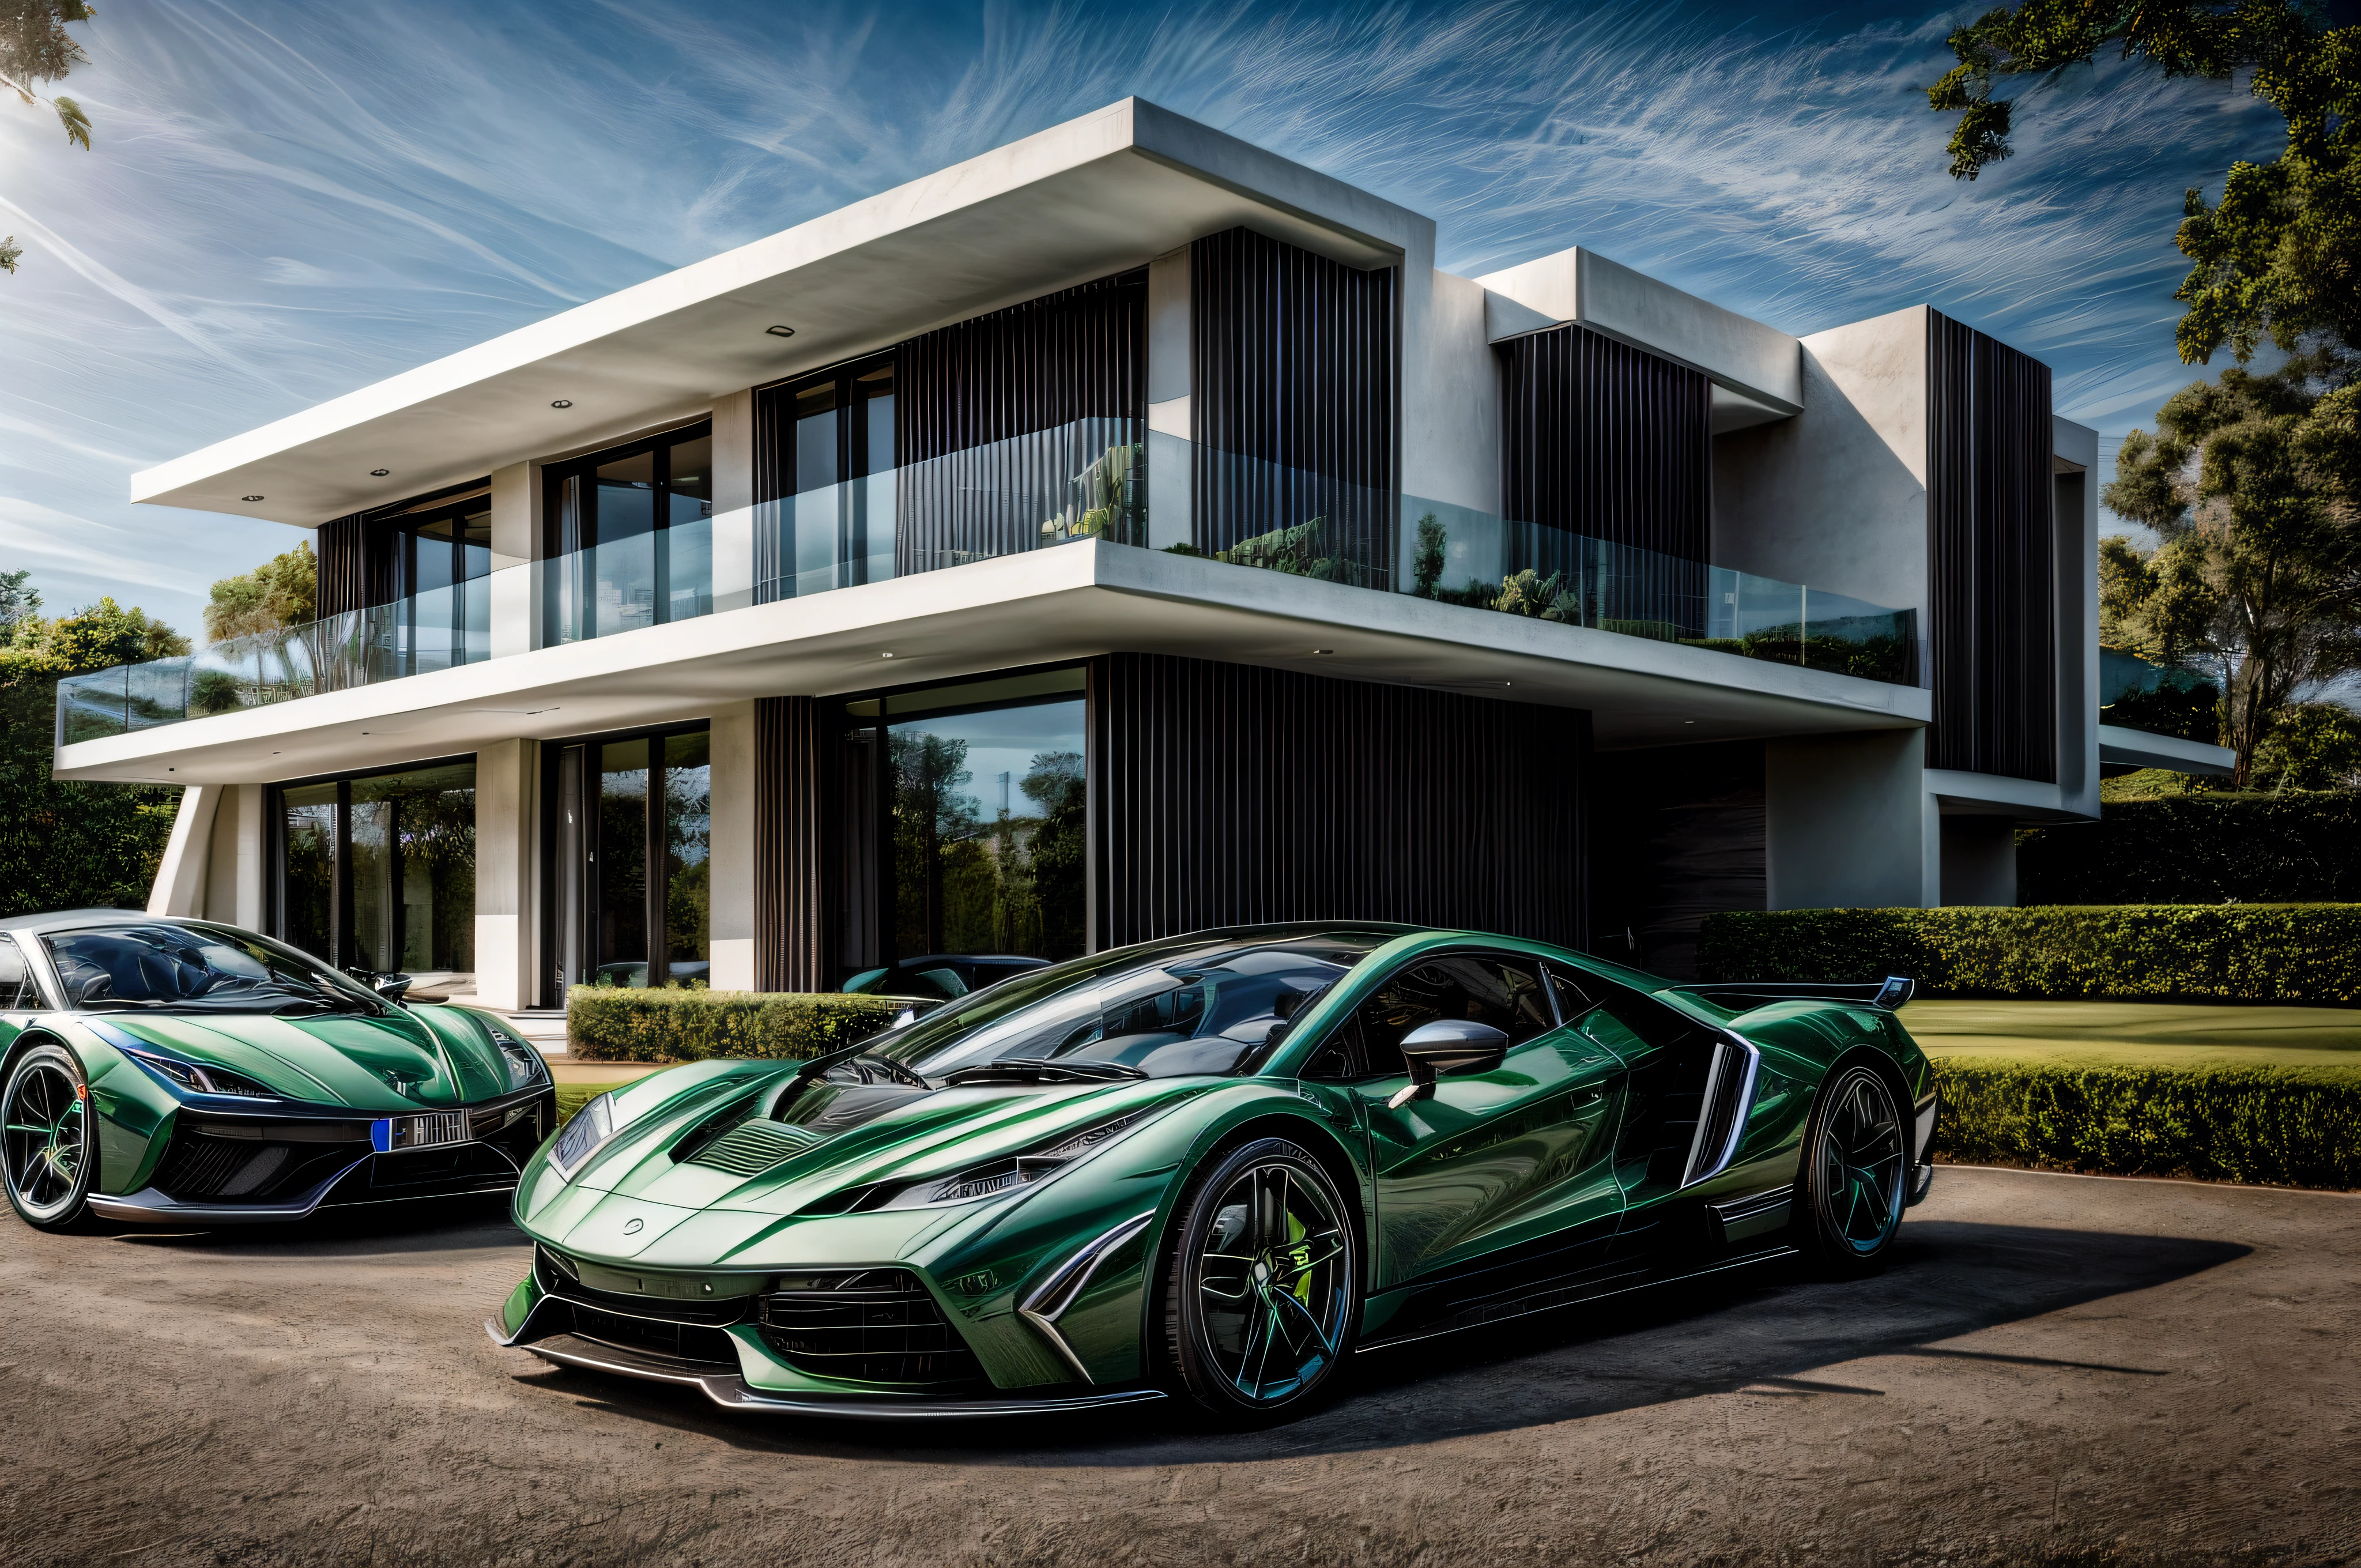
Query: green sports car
x: 191, y: 1072
x: 1211, y: 1167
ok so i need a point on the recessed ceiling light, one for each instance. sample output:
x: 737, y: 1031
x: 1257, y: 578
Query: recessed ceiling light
x: 563, y: 403
x: 379, y: 473
x: 251, y: 498
x: 1323, y: 649
x: 1688, y: 721
x: 885, y: 655
x: 780, y: 331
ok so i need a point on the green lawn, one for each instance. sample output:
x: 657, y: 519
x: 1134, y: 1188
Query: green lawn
x: 572, y: 1097
x: 2133, y: 1033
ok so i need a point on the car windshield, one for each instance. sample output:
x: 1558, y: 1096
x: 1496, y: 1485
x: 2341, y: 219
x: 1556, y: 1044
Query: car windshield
x: 1202, y: 1003
x: 196, y: 968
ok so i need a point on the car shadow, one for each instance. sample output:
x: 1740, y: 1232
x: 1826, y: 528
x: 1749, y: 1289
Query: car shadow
x: 478, y: 1223
x: 1765, y: 1329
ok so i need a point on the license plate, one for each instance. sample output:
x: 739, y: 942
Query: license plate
x: 432, y: 1130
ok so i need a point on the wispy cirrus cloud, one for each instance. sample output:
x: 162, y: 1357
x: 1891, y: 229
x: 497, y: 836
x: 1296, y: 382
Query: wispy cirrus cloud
x: 290, y: 201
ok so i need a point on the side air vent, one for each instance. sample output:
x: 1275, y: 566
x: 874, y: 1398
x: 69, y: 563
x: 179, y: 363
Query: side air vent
x: 1728, y: 1088
x: 749, y: 1148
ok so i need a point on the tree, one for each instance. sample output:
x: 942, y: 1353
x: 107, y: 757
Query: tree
x: 278, y: 594
x: 68, y: 844
x: 2275, y: 259
x: 34, y: 48
x: 2252, y: 483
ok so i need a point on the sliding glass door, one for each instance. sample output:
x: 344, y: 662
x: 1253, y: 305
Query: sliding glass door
x: 378, y: 871
x: 629, y: 880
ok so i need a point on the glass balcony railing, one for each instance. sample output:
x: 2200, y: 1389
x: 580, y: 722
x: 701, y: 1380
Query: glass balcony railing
x: 1088, y: 479
x: 2158, y: 699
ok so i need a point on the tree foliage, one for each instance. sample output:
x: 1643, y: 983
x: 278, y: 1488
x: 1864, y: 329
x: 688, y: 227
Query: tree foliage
x: 2252, y: 483
x: 2274, y: 260
x: 34, y: 48
x: 279, y: 593
x: 69, y: 844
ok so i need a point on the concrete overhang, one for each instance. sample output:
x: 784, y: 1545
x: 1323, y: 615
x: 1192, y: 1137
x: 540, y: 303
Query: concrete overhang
x: 1038, y: 607
x: 1097, y: 195
x: 2122, y: 748
x: 1757, y: 371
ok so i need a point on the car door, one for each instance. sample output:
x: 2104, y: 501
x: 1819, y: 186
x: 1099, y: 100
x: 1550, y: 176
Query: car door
x: 1504, y: 1170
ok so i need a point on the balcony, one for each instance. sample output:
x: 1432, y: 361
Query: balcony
x: 1087, y: 480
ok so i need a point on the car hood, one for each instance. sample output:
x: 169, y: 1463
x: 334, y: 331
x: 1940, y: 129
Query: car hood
x: 407, y: 1059
x: 833, y: 1145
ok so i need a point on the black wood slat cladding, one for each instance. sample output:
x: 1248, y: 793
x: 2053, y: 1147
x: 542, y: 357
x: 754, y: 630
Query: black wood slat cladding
x: 1606, y: 439
x: 1229, y: 795
x: 1032, y: 369
x: 792, y: 765
x: 1296, y: 368
x: 1991, y: 559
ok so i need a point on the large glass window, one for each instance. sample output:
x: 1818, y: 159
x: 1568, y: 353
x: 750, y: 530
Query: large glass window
x: 631, y: 881
x: 631, y: 530
x: 440, y: 557
x: 982, y: 802
x: 835, y: 529
x: 378, y: 871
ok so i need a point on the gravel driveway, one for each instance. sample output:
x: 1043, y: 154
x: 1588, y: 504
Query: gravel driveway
x: 2052, y: 1369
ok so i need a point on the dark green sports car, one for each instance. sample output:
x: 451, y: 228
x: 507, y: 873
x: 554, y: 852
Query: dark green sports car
x: 188, y: 1071
x: 1210, y: 1168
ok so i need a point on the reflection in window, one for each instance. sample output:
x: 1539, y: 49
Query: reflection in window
x: 988, y: 832
x: 621, y: 859
x: 631, y: 530
x: 394, y: 889
x: 688, y: 841
x: 307, y: 866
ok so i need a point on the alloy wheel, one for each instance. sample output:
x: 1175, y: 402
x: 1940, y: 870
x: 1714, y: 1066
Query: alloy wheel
x: 1861, y: 1163
x: 46, y: 1143
x: 1273, y: 1279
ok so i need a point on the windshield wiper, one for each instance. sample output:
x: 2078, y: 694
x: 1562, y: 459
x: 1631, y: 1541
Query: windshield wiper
x: 1042, y: 1069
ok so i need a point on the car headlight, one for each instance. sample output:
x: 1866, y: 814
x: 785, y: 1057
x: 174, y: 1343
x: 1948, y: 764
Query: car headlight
x: 1002, y: 1176
x: 200, y: 1079
x: 583, y: 1137
x: 524, y: 1064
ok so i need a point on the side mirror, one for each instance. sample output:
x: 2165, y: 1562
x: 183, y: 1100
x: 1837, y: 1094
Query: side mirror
x: 1447, y: 1044
x: 390, y: 987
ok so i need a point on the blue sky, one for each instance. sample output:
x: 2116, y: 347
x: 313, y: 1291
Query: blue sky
x: 287, y: 200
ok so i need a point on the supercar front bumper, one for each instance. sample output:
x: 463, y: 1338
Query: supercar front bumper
x: 341, y: 1158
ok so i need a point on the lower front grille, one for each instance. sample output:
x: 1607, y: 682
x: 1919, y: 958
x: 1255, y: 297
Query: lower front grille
x: 196, y: 1168
x: 682, y: 1341
x: 868, y: 1325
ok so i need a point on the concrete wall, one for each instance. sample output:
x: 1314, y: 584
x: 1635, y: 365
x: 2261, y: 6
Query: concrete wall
x: 733, y: 494
x: 1454, y: 418
x: 1836, y: 497
x: 1583, y: 286
x: 1980, y: 860
x: 508, y: 882
x: 732, y: 848
x: 1171, y: 420
x: 1847, y: 822
x: 2075, y: 490
x: 516, y: 542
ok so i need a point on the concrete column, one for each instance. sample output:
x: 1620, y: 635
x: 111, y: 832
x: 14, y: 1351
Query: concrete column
x: 1169, y: 381
x: 732, y: 907
x: 508, y: 925
x: 180, y: 887
x: 248, y: 893
x: 733, y: 501
x: 516, y: 542
x: 1849, y: 823
x: 1980, y: 860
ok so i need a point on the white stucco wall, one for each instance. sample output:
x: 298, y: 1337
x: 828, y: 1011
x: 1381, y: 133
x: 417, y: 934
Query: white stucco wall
x: 507, y: 874
x: 732, y: 890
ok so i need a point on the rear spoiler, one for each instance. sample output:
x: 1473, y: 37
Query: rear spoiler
x: 1888, y: 993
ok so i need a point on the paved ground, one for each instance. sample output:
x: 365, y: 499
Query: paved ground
x: 2052, y: 1370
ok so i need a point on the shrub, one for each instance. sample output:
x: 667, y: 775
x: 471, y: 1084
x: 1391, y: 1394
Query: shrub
x: 2196, y: 850
x: 2284, y: 1126
x: 2286, y: 953
x: 612, y: 1024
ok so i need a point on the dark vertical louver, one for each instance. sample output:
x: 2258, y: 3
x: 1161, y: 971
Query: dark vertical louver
x: 1296, y: 397
x: 1607, y: 440
x: 1990, y: 556
x: 1225, y: 795
x: 343, y: 581
x: 793, y: 938
x: 999, y: 420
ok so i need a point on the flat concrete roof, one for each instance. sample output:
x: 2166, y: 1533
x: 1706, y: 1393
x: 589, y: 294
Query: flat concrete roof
x: 1042, y: 607
x: 1094, y: 195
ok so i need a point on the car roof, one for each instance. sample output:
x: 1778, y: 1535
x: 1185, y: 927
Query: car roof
x: 63, y: 919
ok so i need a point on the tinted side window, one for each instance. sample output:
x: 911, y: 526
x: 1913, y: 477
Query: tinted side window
x: 1576, y: 993
x: 1653, y: 1024
x: 1505, y: 993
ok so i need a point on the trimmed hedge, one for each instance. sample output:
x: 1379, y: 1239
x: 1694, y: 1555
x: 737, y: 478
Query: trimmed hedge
x: 2199, y: 849
x: 617, y: 1024
x: 2281, y: 1126
x: 2263, y: 952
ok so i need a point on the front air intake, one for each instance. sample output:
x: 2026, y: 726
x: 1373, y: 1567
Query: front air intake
x: 868, y: 1325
